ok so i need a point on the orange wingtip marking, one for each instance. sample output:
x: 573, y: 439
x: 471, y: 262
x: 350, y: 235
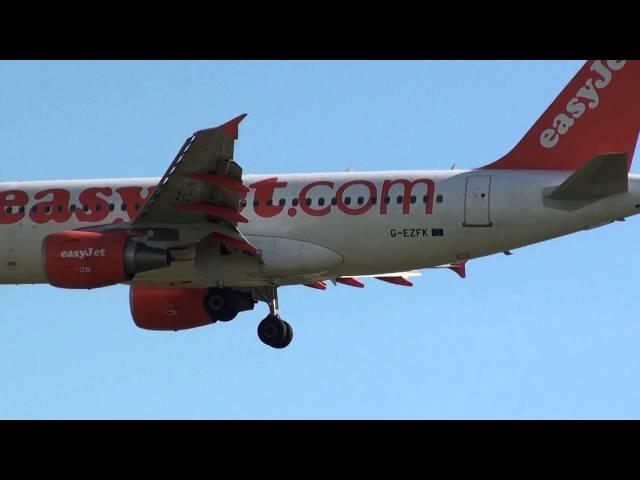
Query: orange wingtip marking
x: 231, y: 127
x: 459, y: 268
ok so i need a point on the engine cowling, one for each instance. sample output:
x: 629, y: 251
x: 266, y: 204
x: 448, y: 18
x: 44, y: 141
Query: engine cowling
x: 76, y: 259
x: 155, y: 308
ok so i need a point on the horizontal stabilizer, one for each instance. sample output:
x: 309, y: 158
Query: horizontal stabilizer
x: 600, y: 177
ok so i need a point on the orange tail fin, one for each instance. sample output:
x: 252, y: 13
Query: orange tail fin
x: 597, y: 112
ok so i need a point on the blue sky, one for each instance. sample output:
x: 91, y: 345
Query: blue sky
x: 552, y: 331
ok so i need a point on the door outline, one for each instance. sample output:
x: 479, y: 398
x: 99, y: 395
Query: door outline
x: 466, y: 201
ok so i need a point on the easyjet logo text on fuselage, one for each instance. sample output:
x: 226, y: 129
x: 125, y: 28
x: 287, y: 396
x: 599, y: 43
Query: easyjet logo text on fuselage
x: 355, y: 197
x: 271, y: 196
x: 586, y: 96
x: 94, y: 205
x: 82, y: 254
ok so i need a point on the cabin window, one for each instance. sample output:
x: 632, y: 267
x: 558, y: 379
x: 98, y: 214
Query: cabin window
x: 308, y: 202
x: 294, y: 202
x: 98, y: 207
x: 413, y: 199
x: 9, y: 210
x: 439, y: 199
x: 282, y: 202
x: 85, y: 208
x: 399, y: 199
x: 387, y: 200
x: 72, y: 208
x: 269, y: 203
x: 334, y: 201
x: 21, y: 210
x: 321, y: 201
x: 360, y: 200
x: 425, y: 199
x: 374, y: 200
x: 47, y: 209
x: 123, y: 207
x: 60, y: 208
x: 34, y: 209
x: 137, y: 206
x: 111, y: 207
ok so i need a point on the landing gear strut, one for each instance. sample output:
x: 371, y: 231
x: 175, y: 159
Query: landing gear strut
x: 274, y: 331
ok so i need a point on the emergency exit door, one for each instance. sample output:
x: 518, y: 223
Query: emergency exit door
x: 477, y: 202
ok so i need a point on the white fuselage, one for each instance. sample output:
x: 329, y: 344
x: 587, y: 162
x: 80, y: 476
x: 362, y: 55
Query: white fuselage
x: 348, y: 227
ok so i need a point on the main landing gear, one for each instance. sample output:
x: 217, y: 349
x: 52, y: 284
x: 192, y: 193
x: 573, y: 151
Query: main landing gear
x: 274, y: 331
x: 223, y: 304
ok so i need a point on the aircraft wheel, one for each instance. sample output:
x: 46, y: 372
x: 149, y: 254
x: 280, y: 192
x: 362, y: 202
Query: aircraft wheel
x: 275, y: 332
x: 220, y: 305
x: 288, y: 336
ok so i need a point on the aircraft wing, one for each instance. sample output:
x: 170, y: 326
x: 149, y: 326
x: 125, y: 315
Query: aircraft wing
x: 397, y: 278
x: 202, y: 184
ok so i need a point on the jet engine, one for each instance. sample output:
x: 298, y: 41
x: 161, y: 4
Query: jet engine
x: 77, y: 259
x: 155, y: 308
x: 164, y: 308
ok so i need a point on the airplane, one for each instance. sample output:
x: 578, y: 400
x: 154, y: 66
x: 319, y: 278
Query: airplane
x: 205, y: 242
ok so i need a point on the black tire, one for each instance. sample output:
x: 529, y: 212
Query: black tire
x: 272, y: 331
x: 220, y: 305
x: 287, y: 337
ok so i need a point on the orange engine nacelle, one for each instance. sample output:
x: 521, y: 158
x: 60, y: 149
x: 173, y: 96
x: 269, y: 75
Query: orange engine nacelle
x: 77, y: 259
x: 168, y: 308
